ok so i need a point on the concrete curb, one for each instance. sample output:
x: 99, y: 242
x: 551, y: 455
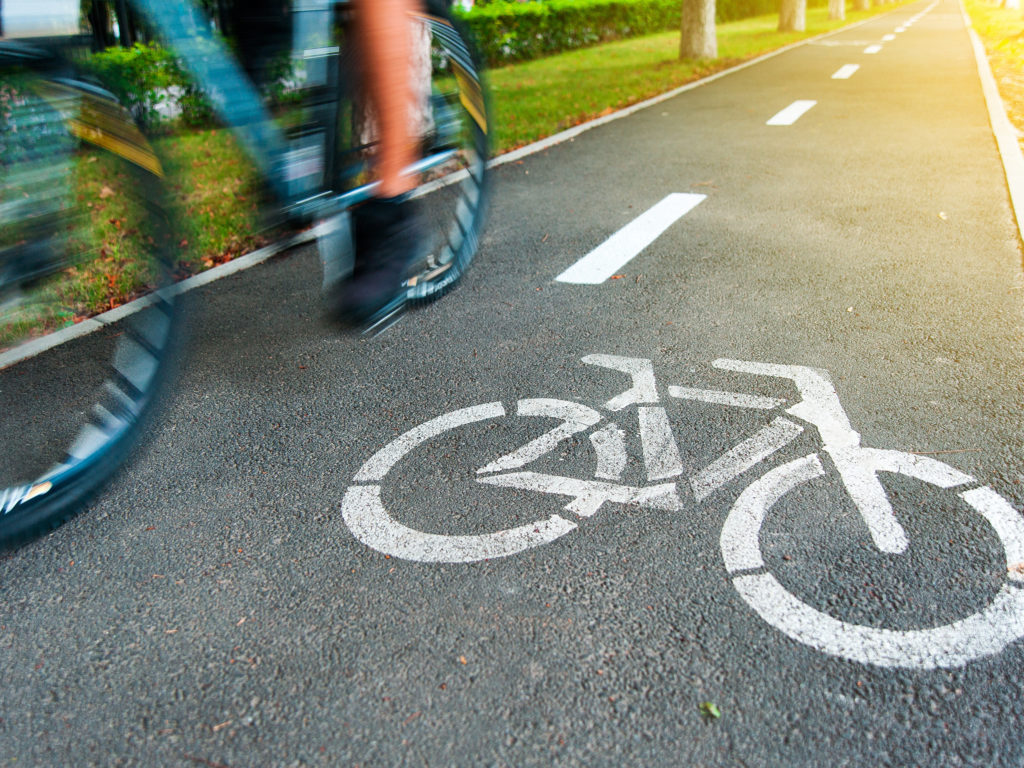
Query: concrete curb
x: 1005, y: 133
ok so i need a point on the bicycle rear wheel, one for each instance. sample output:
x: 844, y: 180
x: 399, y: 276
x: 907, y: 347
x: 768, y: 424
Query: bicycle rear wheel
x: 456, y: 128
x: 82, y: 229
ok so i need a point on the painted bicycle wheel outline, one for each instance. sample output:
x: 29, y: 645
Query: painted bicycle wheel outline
x: 981, y: 634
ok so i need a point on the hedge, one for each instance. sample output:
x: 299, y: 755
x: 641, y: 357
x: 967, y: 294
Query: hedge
x: 147, y: 77
x: 515, y: 31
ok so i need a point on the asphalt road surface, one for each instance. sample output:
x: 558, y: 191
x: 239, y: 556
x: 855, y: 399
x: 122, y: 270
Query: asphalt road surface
x: 616, y: 551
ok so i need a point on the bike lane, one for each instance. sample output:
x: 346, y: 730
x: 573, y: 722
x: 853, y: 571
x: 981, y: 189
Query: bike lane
x: 870, y: 237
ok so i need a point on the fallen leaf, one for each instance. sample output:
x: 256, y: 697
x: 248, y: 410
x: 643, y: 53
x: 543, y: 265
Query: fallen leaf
x: 462, y: 660
x: 708, y: 709
x: 616, y: 277
x: 221, y: 726
x: 106, y: 192
x: 943, y: 215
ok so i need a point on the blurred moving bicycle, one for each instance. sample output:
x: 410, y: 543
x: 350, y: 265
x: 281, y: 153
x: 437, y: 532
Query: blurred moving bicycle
x: 69, y: 421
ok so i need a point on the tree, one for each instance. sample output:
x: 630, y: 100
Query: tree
x: 697, y: 38
x: 793, y: 16
x: 837, y: 9
x: 861, y: 5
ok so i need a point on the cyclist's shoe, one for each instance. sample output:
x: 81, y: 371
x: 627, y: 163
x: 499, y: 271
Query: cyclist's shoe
x: 387, y: 233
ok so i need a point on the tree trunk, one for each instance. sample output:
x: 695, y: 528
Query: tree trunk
x: 99, y: 20
x: 861, y: 5
x: 836, y: 9
x: 793, y: 16
x: 124, y: 24
x: 697, y: 38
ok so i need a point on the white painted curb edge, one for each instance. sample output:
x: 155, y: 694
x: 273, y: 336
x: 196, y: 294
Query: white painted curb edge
x: 51, y: 340
x: 86, y: 327
x: 1002, y: 128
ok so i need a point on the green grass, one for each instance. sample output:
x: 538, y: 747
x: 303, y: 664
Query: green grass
x: 1002, y: 32
x: 538, y: 98
x: 211, y: 186
x: 214, y: 190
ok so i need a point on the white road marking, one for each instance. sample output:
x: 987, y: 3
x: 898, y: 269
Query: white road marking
x: 888, y: 38
x: 575, y: 418
x: 953, y: 645
x: 365, y: 515
x: 901, y: 29
x: 1002, y: 128
x: 383, y: 460
x: 767, y: 441
x: 644, y: 389
x: 610, y: 451
x: 845, y: 71
x: 622, y: 247
x: 661, y: 454
x: 590, y: 494
x: 738, y: 399
x: 792, y: 113
x: 741, y: 547
x: 981, y: 634
x: 873, y: 49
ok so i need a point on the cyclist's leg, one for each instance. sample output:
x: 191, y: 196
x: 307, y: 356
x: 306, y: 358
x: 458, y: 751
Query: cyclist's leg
x: 386, y: 227
x: 385, y: 36
x: 448, y: 120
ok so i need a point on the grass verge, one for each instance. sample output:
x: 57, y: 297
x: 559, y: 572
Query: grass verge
x: 1002, y: 32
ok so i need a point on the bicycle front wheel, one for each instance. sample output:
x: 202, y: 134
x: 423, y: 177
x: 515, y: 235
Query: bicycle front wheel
x: 82, y: 230
x: 455, y: 129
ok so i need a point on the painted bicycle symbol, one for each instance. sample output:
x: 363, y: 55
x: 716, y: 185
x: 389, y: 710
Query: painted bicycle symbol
x: 981, y: 634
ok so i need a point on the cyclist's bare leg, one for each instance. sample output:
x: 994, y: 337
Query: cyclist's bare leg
x: 387, y: 230
x: 385, y: 37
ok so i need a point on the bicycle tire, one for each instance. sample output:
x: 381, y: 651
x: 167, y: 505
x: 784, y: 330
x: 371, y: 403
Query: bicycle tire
x: 73, y: 411
x: 455, y: 196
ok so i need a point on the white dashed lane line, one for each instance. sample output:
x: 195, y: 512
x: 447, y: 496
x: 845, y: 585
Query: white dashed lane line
x: 619, y: 249
x: 792, y: 113
x: 845, y: 71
